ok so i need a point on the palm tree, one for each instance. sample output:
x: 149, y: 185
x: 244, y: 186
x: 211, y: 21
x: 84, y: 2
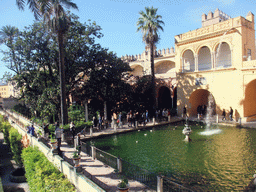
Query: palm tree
x: 55, y: 17
x: 7, y: 35
x: 149, y: 23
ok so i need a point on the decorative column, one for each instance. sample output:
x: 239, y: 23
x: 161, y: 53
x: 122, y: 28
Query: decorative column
x: 119, y: 165
x: 196, y: 63
x: 160, y: 182
x: 182, y: 64
x: 213, y: 60
x: 93, y: 152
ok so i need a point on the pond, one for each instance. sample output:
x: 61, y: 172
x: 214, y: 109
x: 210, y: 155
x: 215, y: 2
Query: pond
x: 224, y: 161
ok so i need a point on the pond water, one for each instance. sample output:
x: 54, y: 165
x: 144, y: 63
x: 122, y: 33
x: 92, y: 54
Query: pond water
x: 224, y: 161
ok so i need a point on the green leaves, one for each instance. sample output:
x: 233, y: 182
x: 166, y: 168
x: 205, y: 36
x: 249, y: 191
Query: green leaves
x: 42, y: 175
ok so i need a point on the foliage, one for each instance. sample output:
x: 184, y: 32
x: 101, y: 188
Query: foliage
x: 41, y: 174
x: 149, y: 23
x: 52, y: 138
x: 1, y: 121
x: 6, y: 128
x: 13, y: 139
x: 91, y: 71
x: 22, y: 109
x: 75, y: 155
x: 123, y: 184
x: 76, y: 113
x: 16, y: 146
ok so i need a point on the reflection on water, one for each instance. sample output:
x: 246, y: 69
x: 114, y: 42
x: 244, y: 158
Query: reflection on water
x: 219, y: 162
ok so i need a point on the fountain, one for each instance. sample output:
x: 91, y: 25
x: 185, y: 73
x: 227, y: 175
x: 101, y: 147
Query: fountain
x: 187, y: 131
x: 210, y: 119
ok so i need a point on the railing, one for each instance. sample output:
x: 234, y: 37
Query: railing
x: 222, y: 64
x: 86, y: 148
x: 106, y: 158
x: 132, y: 171
x: 142, y: 175
x: 204, y: 66
x: 171, y: 186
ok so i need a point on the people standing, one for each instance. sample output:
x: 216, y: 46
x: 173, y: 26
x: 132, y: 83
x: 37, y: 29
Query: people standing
x: 72, y: 130
x: 231, y: 114
x: 114, y: 120
x: 119, y: 120
x: 223, y: 115
x: 32, y: 130
x: 129, y: 118
x: 94, y: 122
x: 184, y: 111
x: 100, y: 122
x: 46, y: 130
x: 147, y: 116
x: 58, y: 133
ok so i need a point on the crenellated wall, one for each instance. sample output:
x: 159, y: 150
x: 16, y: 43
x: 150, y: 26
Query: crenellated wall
x: 145, y: 56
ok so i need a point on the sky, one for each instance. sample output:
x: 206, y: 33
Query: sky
x: 118, y: 18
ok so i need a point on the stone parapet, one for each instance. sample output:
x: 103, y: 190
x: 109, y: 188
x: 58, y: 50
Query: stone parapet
x: 145, y: 55
x: 222, y: 26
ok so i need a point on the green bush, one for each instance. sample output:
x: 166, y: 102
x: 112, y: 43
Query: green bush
x: 80, y: 125
x: 42, y: 175
x: 16, y: 146
x: 5, y: 127
x: 22, y: 109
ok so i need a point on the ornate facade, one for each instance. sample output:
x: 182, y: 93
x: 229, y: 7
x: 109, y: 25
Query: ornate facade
x: 217, y: 59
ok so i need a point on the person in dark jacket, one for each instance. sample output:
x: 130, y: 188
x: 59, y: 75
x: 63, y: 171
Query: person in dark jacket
x: 231, y: 114
x: 224, y: 115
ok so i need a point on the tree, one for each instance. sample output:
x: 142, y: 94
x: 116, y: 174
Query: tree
x: 36, y: 57
x: 149, y: 23
x: 58, y: 22
x: 8, y: 35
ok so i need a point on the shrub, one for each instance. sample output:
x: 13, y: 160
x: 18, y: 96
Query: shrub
x: 42, y: 175
x: 5, y: 127
x: 80, y: 125
x: 16, y: 146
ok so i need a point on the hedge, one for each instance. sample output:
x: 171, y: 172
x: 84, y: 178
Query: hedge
x: 42, y: 175
x: 16, y: 145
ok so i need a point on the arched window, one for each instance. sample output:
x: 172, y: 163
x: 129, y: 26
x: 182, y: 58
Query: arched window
x: 137, y: 70
x: 204, y: 59
x: 164, y: 67
x: 188, y: 61
x: 223, y: 56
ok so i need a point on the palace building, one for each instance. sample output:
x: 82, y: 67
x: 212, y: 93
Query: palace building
x: 216, y: 60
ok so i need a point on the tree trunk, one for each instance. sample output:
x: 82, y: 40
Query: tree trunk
x: 64, y: 112
x: 86, y: 109
x: 105, y: 111
x: 153, y: 77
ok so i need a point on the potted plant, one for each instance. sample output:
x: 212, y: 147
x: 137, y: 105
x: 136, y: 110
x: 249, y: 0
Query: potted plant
x: 53, y: 142
x: 39, y: 135
x: 76, y: 158
x: 123, y: 186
